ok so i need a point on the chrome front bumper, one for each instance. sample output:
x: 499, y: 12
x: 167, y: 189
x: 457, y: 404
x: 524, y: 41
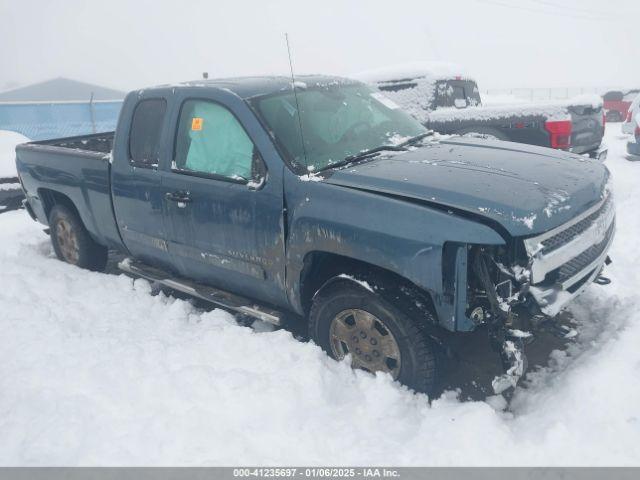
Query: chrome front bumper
x: 565, y: 260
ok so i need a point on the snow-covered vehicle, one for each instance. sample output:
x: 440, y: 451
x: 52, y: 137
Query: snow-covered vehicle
x: 446, y: 99
x: 631, y: 122
x: 633, y: 146
x: 329, y: 205
x: 617, y: 103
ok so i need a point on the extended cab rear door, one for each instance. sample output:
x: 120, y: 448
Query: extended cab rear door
x: 138, y: 197
x: 223, y: 207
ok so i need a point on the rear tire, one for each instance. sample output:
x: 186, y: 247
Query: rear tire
x: 330, y: 328
x: 72, y: 242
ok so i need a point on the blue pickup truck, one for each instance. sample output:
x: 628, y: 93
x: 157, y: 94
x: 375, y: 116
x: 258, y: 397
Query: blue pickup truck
x: 319, y: 200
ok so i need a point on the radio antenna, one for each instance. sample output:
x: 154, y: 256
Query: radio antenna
x: 295, y: 95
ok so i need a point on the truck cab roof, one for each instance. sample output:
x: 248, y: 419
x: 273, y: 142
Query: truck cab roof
x: 258, y: 86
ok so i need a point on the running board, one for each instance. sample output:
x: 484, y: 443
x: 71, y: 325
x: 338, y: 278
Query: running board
x: 203, y: 292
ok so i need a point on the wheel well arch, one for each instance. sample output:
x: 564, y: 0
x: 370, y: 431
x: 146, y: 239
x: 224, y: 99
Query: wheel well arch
x: 320, y: 267
x: 51, y: 198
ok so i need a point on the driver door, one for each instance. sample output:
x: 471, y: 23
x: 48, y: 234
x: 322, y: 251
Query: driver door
x: 223, y: 214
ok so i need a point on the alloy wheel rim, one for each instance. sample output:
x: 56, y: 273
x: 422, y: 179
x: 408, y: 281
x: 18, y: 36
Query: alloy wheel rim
x: 365, y: 337
x: 67, y: 241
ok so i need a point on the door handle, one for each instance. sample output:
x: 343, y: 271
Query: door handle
x: 180, y: 197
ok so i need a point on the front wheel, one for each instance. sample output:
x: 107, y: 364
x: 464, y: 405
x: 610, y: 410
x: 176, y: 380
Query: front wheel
x: 72, y: 242
x: 348, y: 319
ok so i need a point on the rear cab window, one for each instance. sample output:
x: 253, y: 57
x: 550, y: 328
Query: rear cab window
x: 145, y: 132
x: 456, y: 93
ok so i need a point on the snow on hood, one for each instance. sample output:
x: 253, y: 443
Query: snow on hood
x: 482, y: 177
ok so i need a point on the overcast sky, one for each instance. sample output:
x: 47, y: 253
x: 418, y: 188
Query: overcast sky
x: 504, y: 43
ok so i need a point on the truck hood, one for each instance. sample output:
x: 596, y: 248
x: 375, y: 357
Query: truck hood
x: 525, y: 189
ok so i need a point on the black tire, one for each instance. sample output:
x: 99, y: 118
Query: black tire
x: 417, y: 368
x: 71, y: 241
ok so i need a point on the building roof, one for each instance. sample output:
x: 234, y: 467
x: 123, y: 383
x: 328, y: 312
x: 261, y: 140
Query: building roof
x: 60, y: 90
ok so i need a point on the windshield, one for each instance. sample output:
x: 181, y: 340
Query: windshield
x: 338, y: 121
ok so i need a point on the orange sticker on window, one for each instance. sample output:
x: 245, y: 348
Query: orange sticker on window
x: 196, y: 123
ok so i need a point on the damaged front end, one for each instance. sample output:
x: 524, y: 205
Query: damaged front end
x: 496, y: 295
x: 516, y: 289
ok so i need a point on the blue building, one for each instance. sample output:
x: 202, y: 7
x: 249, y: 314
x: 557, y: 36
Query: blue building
x: 59, y: 108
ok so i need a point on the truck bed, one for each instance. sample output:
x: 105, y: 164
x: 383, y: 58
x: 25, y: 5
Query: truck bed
x: 524, y: 123
x: 97, y: 142
x: 75, y: 170
x: 431, y: 98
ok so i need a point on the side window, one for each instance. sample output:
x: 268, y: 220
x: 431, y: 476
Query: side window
x: 210, y: 140
x: 146, y: 127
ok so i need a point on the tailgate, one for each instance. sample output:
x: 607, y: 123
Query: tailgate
x: 587, y: 127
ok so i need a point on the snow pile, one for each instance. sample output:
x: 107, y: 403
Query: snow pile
x: 8, y: 142
x: 96, y: 370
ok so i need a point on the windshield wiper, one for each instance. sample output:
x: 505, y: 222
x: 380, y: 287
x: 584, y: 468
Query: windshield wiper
x: 416, y: 139
x: 375, y: 151
x: 364, y: 154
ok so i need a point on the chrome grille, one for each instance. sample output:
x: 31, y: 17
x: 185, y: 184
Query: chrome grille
x: 565, y: 236
x: 583, y: 260
x: 551, y: 250
x: 566, y: 259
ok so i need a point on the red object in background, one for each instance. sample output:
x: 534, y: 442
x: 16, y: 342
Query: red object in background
x: 616, y: 106
x: 559, y: 133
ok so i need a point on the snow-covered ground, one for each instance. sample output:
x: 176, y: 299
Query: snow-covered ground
x: 94, y: 370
